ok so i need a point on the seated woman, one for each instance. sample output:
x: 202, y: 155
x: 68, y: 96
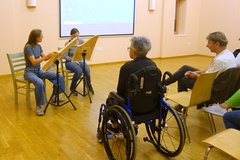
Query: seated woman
x: 231, y: 119
x: 34, y: 55
x: 76, y: 66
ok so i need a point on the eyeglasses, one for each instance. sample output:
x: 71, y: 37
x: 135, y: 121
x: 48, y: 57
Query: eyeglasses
x: 129, y: 48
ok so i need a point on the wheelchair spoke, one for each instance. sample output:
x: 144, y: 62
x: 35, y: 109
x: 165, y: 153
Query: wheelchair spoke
x: 169, y: 138
x: 119, y: 143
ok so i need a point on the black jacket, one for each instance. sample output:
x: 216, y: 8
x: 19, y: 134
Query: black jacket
x: 225, y: 85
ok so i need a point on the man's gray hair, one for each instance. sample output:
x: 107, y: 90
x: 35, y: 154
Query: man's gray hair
x: 141, y: 45
x: 218, y: 37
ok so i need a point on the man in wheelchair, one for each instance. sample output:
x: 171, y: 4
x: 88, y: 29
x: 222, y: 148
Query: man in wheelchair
x: 139, y: 48
x: 139, y: 99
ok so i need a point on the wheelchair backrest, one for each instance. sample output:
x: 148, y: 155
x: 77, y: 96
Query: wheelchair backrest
x: 143, y: 89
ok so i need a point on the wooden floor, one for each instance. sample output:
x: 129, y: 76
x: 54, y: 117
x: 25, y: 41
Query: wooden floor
x: 67, y: 134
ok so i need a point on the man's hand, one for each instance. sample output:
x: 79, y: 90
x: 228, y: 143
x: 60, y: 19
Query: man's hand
x: 191, y: 74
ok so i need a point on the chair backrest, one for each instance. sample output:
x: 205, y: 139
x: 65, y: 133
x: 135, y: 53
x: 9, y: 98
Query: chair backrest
x: 62, y: 63
x: 17, y: 63
x: 143, y: 89
x: 202, y: 88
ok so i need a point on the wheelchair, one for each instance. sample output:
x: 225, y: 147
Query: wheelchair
x: 119, y: 118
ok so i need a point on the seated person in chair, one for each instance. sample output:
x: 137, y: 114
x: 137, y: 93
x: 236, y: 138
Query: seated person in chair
x: 34, y: 56
x: 221, y: 90
x: 187, y: 75
x: 76, y: 66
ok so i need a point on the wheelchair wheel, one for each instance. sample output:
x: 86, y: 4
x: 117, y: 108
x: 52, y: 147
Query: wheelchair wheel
x: 120, y: 142
x: 167, y: 134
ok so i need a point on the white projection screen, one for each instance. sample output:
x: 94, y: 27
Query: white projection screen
x: 97, y: 17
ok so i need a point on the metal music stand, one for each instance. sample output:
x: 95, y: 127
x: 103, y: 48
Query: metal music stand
x: 55, y: 58
x: 83, y: 52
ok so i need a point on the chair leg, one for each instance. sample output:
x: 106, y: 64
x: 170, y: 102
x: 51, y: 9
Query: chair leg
x: 28, y: 96
x: 184, y: 116
x: 207, y: 152
x: 212, y: 124
x: 16, y: 93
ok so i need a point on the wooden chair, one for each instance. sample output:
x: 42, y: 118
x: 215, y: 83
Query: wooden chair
x: 227, y: 141
x: 200, y: 93
x: 67, y: 74
x: 17, y: 66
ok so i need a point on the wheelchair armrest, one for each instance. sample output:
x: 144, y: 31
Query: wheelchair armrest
x: 117, y: 97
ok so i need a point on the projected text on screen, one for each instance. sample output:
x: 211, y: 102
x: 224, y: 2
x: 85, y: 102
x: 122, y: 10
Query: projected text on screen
x: 97, y: 17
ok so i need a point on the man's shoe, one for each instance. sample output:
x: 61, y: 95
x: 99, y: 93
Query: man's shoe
x: 179, y: 109
x: 39, y: 111
x: 55, y: 99
x: 215, y: 109
x: 91, y: 89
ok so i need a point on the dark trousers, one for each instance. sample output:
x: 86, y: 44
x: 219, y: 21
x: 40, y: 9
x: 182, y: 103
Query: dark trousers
x: 183, y: 83
x: 232, y: 119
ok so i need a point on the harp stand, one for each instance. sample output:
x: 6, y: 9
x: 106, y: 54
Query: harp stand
x: 56, y: 93
x: 84, y: 79
x: 83, y: 52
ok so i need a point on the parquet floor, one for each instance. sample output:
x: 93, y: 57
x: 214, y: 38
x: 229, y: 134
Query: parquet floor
x: 67, y: 134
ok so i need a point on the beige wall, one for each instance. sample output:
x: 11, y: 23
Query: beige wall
x: 202, y: 17
x: 220, y: 15
x: 184, y: 43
